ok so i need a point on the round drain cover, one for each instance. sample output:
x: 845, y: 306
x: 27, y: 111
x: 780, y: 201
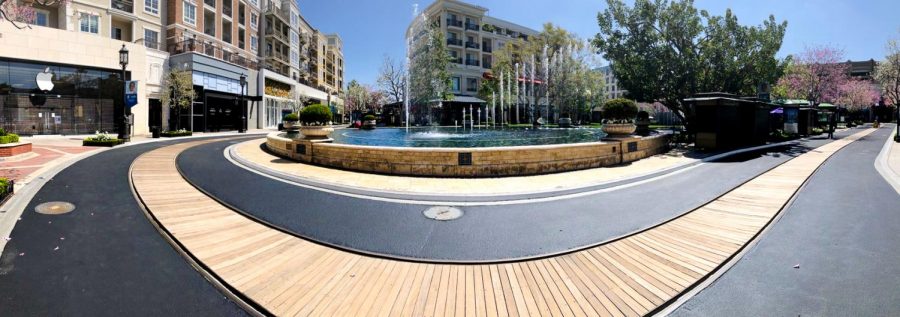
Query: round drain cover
x: 54, y: 208
x: 443, y: 213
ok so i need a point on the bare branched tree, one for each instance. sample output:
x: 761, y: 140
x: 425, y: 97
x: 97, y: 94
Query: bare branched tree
x: 392, y: 79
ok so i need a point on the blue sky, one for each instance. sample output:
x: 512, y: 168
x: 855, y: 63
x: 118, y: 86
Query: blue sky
x: 861, y: 28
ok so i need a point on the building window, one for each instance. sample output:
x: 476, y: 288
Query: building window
x: 190, y: 13
x: 241, y: 14
x: 455, y: 83
x: 253, y: 20
x: 41, y: 17
x: 151, y: 6
x: 117, y: 33
x: 254, y: 46
x: 90, y: 23
x: 471, y: 84
x: 151, y: 38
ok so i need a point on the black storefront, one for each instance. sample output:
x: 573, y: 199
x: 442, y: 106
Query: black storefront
x: 213, y: 111
x: 81, y: 100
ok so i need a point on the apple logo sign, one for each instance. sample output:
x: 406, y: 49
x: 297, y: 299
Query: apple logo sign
x: 45, y: 80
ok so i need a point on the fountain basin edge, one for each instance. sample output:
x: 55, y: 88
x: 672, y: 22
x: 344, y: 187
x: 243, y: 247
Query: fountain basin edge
x: 467, y: 162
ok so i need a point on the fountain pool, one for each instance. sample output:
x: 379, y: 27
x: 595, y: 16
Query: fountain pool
x: 463, y: 138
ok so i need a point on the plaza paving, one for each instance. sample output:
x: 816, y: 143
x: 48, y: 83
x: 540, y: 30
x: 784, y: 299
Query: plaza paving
x: 118, y: 264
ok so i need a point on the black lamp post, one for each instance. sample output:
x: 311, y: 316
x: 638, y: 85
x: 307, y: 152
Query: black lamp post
x: 243, y: 128
x: 124, y: 127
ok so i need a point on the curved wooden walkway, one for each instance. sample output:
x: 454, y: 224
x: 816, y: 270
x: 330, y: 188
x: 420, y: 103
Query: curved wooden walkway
x: 633, y: 276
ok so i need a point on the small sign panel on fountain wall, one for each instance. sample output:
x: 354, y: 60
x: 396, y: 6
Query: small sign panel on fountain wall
x: 632, y: 146
x: 465, y: 159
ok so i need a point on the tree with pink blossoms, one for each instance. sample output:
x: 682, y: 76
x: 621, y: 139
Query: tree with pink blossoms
x: 19, y: 11
x: 857, y: 95
x: 816, y: 74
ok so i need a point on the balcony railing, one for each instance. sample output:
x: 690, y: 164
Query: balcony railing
x: 226, y: 11
x: 473, y: 62
x: 487, y: 65
x: 456, y: 23
x: 472, y: 45
x: 487, y: 48
x: 210, y: 3
x: 456, y: 60
x: 473, y: 27
x: 123, y: 5
x: 456, y: 42
x: 212, y: 50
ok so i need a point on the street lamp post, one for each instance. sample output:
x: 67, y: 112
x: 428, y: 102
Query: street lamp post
x: 243, y: 128
x: 124, y: 127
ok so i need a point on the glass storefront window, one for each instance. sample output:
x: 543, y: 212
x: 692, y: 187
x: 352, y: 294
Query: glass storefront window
x: 81, y: 101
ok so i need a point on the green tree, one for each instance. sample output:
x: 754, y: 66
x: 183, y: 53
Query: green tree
x: 667, y: 51
x: 887, y: 73
x: 429, y: 68
x: 180, y: 85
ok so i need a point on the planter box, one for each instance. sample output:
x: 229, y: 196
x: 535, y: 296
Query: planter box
x: 316, y: 132
x: 614, y: 129
x: 110, y: 143
x: 13, y: 149
x: 174, y: 134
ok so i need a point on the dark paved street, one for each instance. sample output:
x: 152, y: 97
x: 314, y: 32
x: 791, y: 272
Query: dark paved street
x: 110, y: 260
x: 484, y: 233
x: 843, y: 230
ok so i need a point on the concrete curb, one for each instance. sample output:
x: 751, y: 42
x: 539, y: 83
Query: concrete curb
x: 882, y: 165
x: 231, y: 155
x: 12, y: 210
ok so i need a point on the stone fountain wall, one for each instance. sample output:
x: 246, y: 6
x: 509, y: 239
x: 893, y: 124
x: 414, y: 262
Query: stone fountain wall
x: 468, y: 162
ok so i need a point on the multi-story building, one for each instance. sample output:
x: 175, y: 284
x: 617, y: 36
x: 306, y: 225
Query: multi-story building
x: 472, y: 37
x: 611, y: 84
x: 77, y: 45
x: 217, y: 41
x: 301, y: 63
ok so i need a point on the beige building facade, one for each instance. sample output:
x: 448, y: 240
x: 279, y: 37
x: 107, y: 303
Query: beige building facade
x: 472, y: 37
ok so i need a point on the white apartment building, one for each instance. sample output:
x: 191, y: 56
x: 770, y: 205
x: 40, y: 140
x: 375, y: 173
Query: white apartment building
x: 611, y: 84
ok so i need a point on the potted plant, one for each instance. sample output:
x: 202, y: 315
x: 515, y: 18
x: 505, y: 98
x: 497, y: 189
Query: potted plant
x: 289, y: 121
x: 618, y: 116
x: 316, y: 120
x: 368, y: 122
x: 101, y: 139
x: 565, y: 122
x: 642, y: 123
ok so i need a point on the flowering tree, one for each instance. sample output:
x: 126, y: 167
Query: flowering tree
x: 858, y: 94
x: 888, y: 73
x: 816, y: 74
x: 17, y: 11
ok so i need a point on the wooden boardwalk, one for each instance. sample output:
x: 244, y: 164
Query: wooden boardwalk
x: 633, y: 276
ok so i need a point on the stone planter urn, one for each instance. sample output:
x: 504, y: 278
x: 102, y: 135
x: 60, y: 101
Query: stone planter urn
x: 565, y: 122
x: 290, y: 125
x: 369, y: 124
x: 618, y: 129
x: 316, y: 132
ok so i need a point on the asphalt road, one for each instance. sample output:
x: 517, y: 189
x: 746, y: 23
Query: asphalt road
x: 843, y: 230
x: 104, y: 258
x: 484, y: 233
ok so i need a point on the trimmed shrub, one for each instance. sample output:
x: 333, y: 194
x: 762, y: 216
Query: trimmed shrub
x: 369, y: 117
x: 101, y: 139
x: 292, y: 117
x: 315, y: 115
x: 619, y: 110
x: 178, y: 133
x: 9, y: 138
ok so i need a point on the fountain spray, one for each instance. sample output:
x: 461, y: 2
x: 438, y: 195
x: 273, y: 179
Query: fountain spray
x: 517, y: 92
x: 501, y: 98
x: 533, y: 101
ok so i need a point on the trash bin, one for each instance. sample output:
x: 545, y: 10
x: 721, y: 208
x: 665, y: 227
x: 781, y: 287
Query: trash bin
x: 155, y: 131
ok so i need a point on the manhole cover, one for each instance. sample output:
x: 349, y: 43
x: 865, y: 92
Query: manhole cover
x: 443, y: 213
x: 54, y: 208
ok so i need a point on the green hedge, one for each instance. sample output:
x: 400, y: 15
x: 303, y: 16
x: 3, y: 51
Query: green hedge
x: 369, y: 117
x: 173, y: 134
x: 106, y: 142
x: 4, y: 186
x: 620, y: 110
x: 9, y: 138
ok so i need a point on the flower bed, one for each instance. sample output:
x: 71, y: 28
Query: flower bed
x: 175, y: 134
x: 101, y: 139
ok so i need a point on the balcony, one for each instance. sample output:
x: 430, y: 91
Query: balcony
x: 473, y: 62
x: 472, y: 45
x: 487, y: 65
x: 456, y: 42
x: 210, y: 3
x: 212, y: 50
x: 487, y: 48
x: 270, y: 32
x: 123, y: 5
x: 456, y: 60
x: 472, y: 27
x: 226, y: 11
x: 455, y: 23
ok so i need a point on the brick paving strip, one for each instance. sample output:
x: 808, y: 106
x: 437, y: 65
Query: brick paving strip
x: 636, y: 275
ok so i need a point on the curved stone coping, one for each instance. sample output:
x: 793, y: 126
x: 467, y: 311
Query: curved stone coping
x: 468, y: 162
x: 459, y: 190
x: 632, y: 276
